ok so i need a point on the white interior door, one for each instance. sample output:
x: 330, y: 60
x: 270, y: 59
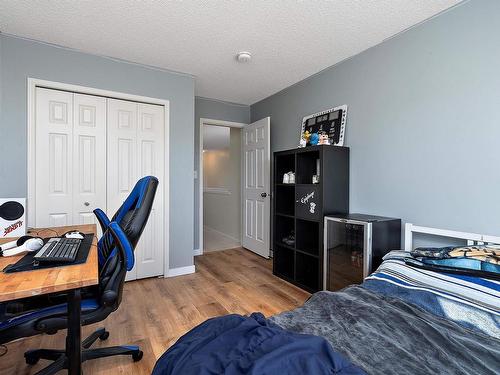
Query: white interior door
x: 54, y: 152
x: 89, y: 158
x: 256, y: 208
x: 135, y: 150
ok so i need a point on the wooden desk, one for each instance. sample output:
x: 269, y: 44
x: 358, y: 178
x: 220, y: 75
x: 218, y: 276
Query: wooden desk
x: 68, y: 278
x: 49, y: 280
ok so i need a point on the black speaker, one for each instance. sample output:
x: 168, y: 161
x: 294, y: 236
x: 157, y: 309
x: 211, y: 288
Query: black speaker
x: 11, y: 210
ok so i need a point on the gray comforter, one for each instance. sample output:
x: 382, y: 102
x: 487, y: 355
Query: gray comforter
x: 385, y: 335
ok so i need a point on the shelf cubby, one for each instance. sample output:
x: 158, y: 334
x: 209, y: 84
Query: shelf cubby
x: 285, y: 227
x: 306, y: 167
x: 283, y: 164
x: 306, y: 271
x: 284, y: 262
x: 307, y: 239
x: 285, y: 199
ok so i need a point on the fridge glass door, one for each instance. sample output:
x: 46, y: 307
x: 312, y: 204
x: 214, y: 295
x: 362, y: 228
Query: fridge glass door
x: 345, y: 253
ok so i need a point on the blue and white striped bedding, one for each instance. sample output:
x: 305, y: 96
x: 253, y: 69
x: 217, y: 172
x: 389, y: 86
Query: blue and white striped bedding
x: 472, y: 302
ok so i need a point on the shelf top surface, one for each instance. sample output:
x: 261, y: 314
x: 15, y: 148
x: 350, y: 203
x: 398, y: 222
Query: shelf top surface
x: 362, y: 217
x: 310, y: 148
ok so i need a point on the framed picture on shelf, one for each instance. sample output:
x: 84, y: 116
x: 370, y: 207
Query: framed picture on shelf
x: 324, y: 128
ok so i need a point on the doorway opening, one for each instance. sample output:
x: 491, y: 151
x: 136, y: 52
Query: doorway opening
x: 244, y: 218
x: 220, y: 180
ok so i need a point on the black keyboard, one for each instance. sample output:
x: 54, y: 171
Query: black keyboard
x: 59, y: 250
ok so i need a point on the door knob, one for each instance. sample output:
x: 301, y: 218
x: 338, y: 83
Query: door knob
x: 263, y: 195
x: 86, y: 204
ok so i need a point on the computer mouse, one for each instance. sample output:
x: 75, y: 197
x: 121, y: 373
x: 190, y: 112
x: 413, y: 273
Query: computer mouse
x: 74, y: 234
x: 33, y: 244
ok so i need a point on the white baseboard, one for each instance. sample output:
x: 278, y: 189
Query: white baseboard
x: 197, y: 252
x: 179, y: 271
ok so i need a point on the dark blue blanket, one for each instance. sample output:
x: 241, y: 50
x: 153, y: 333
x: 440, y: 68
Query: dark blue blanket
x: 235, y: 344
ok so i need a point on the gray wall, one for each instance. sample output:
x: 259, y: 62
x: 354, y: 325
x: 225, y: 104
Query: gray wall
x: 1, y: 85
x: 214, y: 110
x: 21, y: 59
x: 423, y: 123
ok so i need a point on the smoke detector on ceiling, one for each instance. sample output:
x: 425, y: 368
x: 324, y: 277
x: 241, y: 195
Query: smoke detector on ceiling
x: 243, y: 56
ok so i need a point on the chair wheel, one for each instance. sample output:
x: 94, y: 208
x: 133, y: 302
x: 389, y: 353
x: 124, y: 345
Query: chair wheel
x: 30, y: 360
x: 104, y: 336
x: 137, y: 356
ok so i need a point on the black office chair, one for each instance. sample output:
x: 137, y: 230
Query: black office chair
x: 116, y: 254
x: 129, y: 216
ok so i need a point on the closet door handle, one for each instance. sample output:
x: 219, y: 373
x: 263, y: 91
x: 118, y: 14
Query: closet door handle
x: 86, y: 204
x: 263, y: 195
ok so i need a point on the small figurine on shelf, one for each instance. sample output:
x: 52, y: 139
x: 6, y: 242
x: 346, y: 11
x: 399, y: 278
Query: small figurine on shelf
x: 314, y: 139
x: 323, y: 139
x: 304, y: 140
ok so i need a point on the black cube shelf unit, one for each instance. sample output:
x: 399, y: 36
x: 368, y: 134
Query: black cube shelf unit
x: 299, y: 209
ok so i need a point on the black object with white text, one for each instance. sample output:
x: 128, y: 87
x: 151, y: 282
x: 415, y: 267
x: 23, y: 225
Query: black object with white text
x: 330, y: 122
x: 12, y: 217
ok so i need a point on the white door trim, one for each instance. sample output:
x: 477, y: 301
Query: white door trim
x: 33, y: 83
x: 207, y: 121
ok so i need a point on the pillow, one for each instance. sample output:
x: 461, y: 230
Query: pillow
x: 484, y: 253
x: 481, y: 261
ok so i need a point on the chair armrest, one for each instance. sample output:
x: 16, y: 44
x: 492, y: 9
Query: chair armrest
x: 102, y: 218
x: 123, y: 244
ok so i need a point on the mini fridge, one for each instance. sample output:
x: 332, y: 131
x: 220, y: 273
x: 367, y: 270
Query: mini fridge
x: 354, y: 245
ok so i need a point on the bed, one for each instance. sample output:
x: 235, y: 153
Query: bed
x: 400, y: 320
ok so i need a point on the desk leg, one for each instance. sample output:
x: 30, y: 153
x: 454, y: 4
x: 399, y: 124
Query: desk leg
x: 74, y: 339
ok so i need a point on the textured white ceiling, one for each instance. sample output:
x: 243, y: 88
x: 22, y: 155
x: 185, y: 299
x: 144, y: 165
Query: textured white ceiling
x: 289, y: 40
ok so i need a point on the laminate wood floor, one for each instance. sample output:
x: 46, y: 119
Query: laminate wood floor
x: 155, y: 312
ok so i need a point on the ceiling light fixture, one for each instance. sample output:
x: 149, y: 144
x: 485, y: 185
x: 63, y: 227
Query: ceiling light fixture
x: 243, y: 56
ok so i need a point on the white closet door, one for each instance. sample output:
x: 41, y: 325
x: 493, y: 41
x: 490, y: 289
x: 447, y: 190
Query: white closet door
x: 54, y: 155
x: 122, y: 156
x: 90, y: 152
x: 136, y: 149
x: 150, y: 157
x: 89, y: 158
